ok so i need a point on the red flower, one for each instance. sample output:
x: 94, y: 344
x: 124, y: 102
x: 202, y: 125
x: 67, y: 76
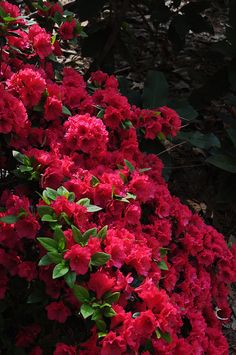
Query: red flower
x: 64, y: 349
x: 58, y: 311
x: 79, y: 258
x: 66, y: 30
x: 29, y: 85
x: 27, y: 335
x: 27, y: 270
x: 113, y: 344
x: 101, y: 282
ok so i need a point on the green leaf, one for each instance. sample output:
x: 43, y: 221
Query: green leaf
x: 224, y: 162
x: 102, y: 233
x: 77, y: 235
x: 144, y: 170
x: 166, y: 337
x: 60, y: 238
x: 48, y: 218
x: 93, y: 208
x: 109, y: 313
x: 162, y: 265
x: 86, y: 310
x: 84, y: 202
x: 25, y: 169
x: 184, y: 109
x: 21, y: 158
x: 155, y: 93
x: 51, y: 193
x: 10, y: 219
x: 163, y: 252
x: 71, y: 197
x: 70, y: 278
x: 101, y: 325
x: 81, y: 293
x: 62, y: 191
x: 100, y: 258
x: 112, y: 297
x: 45, y: 260
x: 66, y: 111
x: 48, y: 244
x: 158, y: 334
x: 55, y: 257
x: 129, y: 165
x: 232, y: 135
x: 59, y: 270
x: 94, y: 181
x: 200, y: 140
x: 90, y: 232
x: 42, y: 210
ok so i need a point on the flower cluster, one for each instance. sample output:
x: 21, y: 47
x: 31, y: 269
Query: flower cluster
x: 96, y: 256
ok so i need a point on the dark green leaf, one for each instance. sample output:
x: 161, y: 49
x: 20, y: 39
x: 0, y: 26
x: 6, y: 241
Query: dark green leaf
x: 42, y: 210
x: 100, y: 258
x: 129, y: 165
x: 66, y: 111
x: 90, y: 232
x: 55, y: 257
x: 101, y: 325
x: 112, y: 297
x: 70, y: 278
x: 102, y: 233
x: 48, y: 218
x: 162, y: 265
x: 9, y: 219
x: 81, y: 293
x: 77, y: 235
x: 224, y: 162
x: 62, y: 191
x: 48, y: 243
x: 155, y: 91
x: 200, y: 140
x: 51, y: 193
x: 84, y: 202
x: 94, y: 181
x: 45, y: 260
x: 232, y: 135
x: 86, y: 310
x: 109, y: 313
x: 60, y: 238
x: 59, y: 270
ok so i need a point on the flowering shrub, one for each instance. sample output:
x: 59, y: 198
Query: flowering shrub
x: 96, y: 256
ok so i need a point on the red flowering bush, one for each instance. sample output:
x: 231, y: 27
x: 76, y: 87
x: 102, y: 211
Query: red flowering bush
x: 96, y: 256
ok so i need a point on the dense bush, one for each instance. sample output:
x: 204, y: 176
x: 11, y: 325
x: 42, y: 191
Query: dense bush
x: 96, y: 256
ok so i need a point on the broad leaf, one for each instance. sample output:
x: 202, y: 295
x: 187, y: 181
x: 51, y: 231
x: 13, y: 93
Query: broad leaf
x: 155, y: 93
x: 59, y: 270
x: 100, y: 258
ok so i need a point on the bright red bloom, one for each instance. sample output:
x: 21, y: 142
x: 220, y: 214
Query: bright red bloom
x: 28, y: 85
x: 85, y: 133
x: 101, y: 282
x: 67, y: 29
x: 113, y: 344
x: 79, y: 258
